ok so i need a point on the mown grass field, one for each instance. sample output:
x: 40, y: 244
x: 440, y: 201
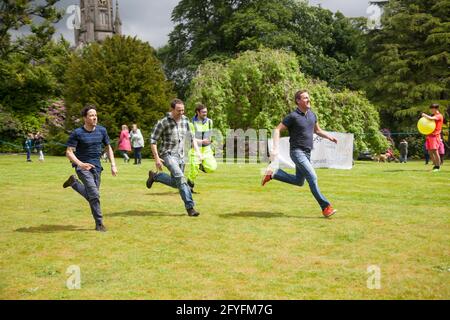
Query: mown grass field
x: 248, y: 243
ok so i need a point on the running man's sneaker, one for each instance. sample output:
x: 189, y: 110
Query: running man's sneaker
x: 436, y: 169
x: 328, y: 211
x: 100, y: 227
x: 267, y: 176
x: 69, y: 182
x: 151, y: 179
x: 192, y: 213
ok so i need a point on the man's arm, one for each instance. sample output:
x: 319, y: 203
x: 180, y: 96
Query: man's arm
x: 276, y: 140
x: 156, y: 134
x: 112, y: 160
x: 158, y: 160
x: 323, y: 134
x: 73, y: 158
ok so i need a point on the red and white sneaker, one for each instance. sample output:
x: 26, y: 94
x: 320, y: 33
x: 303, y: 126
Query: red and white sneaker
x: 267, y: 176
x: 328, y: 211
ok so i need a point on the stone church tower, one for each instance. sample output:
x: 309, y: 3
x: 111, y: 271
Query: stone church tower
x: 97, y: 21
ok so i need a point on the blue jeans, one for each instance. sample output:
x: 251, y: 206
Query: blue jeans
x: 303, y: 170
x: 89, y: 189
x: 176, y: 178
x: 137, y: 155
x: 403, y: 157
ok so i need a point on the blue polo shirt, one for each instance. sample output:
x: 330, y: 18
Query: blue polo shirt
x: 301, y: 129
x: 89, y: 145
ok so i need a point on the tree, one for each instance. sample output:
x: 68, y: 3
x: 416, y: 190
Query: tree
x: 409, y: 59
x: 15, y: 14
x: 26, y: 85
x: 31, y: 67
x: 123, y: 78
x: 256, y: 91
x: 326, y: 44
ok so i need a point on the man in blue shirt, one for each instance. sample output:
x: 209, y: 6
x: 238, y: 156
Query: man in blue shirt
x: 84, y: 149
x: 301, y: 124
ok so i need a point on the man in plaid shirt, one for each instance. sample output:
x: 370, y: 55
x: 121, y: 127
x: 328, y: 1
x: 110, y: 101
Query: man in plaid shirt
x: 172, y: 130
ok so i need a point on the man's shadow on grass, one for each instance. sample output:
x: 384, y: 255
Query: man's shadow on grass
x: 168, y: 193
x: 262, y: 214
x: 136, y: 213
x: 404, y: 170
x: 51, y: 228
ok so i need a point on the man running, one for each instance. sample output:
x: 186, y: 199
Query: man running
x: 202, y: 126
x: 172, y: 130
x: 301, y: 124
x: 84, y: 149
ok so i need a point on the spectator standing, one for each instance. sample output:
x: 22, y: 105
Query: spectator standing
x: 124, y: 143
x: 137, y: 141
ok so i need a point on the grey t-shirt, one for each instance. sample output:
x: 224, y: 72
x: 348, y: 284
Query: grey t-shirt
x: 301, y: 129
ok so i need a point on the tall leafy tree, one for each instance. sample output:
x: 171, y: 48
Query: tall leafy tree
x: 26, y: 87
x: 410, y: 60
x: 123, y: 78
x: 31, y: 65
x: 26, y: 83
x: 38, y: 15
x: 214, y: 30
x: 256, y: 90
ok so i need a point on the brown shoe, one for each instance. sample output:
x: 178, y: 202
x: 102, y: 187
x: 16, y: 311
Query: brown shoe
x: 69, y: 182
x: 151, y: 179
x: 192, y: 213
x: 100, y: 227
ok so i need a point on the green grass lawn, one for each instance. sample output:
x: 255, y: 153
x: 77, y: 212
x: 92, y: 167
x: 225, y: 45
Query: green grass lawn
x: 248, y: 243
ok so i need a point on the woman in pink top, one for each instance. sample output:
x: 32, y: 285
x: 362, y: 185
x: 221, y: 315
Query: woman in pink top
x: 124, y: 143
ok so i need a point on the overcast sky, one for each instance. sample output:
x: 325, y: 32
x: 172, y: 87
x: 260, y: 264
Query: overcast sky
x: 149, y: 20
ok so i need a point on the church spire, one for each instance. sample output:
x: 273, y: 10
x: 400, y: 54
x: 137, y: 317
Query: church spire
x: 117, y: 21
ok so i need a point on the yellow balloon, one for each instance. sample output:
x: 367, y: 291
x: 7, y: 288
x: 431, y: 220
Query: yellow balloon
x: 426, y: 126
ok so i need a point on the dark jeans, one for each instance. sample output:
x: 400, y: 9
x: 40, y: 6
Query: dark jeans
x: 89, y: 188
x: 427, y: 157
x: 403, y: 157
x: 28, y: 153
x: 137, y: 155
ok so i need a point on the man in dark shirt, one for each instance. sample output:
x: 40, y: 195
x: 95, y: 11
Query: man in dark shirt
x: 84, y: 149
x: 301, y: 124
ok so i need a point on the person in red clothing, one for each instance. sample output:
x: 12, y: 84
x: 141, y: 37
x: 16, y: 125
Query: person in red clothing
x: 124, y: 143
x: 433, y: 139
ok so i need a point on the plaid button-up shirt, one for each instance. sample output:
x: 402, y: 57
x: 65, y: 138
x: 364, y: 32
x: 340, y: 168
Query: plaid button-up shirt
x: 172, y: 135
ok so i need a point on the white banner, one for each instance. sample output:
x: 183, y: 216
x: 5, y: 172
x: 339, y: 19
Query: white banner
x: 325, y: 154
